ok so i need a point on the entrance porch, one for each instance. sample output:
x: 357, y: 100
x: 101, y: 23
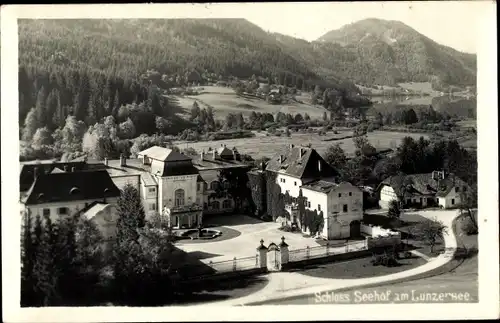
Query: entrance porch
x: 184, y: 217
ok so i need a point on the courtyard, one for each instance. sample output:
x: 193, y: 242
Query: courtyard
x: 246, y: 233
x: 251, y: 231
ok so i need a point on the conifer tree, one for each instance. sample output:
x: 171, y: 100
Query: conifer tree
x: 27, y: 261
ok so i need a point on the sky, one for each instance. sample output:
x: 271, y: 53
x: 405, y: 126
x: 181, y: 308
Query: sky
x: 451, y: 23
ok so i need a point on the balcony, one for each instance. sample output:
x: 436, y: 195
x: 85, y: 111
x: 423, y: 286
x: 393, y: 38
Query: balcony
x: 183, y: 209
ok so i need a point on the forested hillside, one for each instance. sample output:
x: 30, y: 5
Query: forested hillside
x: 388, y: 52
x: 171, y: 46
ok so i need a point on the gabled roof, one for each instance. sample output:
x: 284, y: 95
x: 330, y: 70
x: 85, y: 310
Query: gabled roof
x: 28, y: 170
x: 71, y: 186
x: 163, y: 154
x: 326, y: 186
x: 423, y: 184
x: 300, y: 162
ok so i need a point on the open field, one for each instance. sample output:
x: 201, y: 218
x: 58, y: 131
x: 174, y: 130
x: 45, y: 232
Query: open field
x: 268, y: 146
x: 225, y: 101
x: 423, y: 87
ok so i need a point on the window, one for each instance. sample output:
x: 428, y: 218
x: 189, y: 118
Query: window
x: 198, y: 187
x: 226, y: 184
x: 205, y: 186
x: 457, y: 189
x: 214, y: 185
x: 283, y: 180
x: 62, y: 210
x: 215, y: 205
x: 340, y: 194
x: 176, y: 221
x: 179, y: 197
x: 295, y: 183
x: 152, y: 207
x: 205, y: 205
x: 151, y: 189
x: 350, y: 193
x: 344, y: 208
x: 319, y: 207
x: 46, y: 212
x: 308, y: 204
x: 226, y: 204
x: 452, y: 201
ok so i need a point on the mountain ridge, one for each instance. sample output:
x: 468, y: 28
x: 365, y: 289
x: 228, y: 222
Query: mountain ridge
x: 240, y: 48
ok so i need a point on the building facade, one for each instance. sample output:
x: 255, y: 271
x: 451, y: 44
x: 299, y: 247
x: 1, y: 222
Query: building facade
x: 341, y: 204
x: 302, y: 169
x: 60, y: 194
x: 177, y: 186
x: 423, y: 190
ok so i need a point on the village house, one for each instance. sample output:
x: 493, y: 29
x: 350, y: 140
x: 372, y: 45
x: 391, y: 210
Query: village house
x: 423, y: 190
x: 303, y: 169
x: 61, y: 192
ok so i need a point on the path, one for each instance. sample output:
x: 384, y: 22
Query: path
x: 285, y: 284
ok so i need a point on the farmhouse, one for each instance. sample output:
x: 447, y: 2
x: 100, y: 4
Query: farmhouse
x: 423, y: 190
x: 64, y: 193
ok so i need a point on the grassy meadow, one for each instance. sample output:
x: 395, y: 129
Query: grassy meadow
x: 224, y: 101
x: 266, y: 146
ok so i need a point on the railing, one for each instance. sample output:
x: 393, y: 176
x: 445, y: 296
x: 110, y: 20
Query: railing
x: 324, y: 251
x: 235, y: 264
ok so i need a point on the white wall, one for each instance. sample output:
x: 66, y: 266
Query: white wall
x: 290, y: 184
x: 314, y: 199
x: 73, y: 207
x: 168, y: 186
x: 446, y: 202
x: 332, y: 202
x: 387, y: 194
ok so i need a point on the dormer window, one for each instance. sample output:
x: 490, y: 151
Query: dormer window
x: 74, y: 190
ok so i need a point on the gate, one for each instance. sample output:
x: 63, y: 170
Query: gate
x: 355, y: 228
x: 273, y: 257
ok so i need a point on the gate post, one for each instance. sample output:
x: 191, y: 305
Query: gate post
x: 262, y: 255
x: 284, y: 252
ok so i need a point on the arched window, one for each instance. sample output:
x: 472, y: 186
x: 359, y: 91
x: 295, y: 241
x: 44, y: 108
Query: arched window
x: 226, y: 204
x: 214, y: 185
x: 179, y: 197
x: 215, y: 205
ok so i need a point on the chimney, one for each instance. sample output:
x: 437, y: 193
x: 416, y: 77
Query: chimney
x: 73, y: 169
x: 319, y: 166
x: 301, y: 153
x: 263, y: 166
x: 281, y: 159
x: 105, y: 161
x: 291, y: 146
x: 214, y: 153
x: 66, y: 168
x: 202, y: 155
x: 144, y: 159
x: 122, y: 160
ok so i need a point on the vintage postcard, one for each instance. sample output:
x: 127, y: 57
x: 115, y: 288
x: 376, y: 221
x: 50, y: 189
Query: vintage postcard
x: 214, y: 162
